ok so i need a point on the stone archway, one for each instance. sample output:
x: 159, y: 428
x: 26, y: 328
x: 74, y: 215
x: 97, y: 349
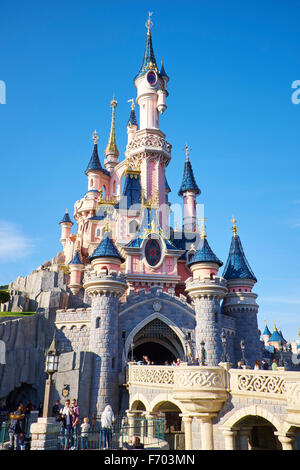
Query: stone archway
x: 253, y: 428
x: 23, y: 394
x: 156, y: 335
x: 174, y: 432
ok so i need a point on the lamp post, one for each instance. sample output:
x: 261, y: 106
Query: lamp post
x: 51, y: 367
x: 243, y: 347
x: 225, y: 357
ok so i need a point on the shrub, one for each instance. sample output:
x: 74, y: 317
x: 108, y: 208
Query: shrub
x: 4, y: 296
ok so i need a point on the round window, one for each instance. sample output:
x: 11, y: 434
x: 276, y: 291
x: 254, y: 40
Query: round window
x: 153, y: 252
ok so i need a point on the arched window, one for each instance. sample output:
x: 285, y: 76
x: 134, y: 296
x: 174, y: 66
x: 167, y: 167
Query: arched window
x: 98, y: 232
x: 133, y: 227
x: 97, y: 324
x: 92, y: 182
x: 103, y: 192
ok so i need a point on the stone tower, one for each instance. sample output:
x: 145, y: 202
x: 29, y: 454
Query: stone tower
x: 105, y: 285
x: 240, y: 302
x: 206, y: 289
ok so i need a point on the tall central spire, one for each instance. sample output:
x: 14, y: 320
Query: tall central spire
x: 149, y: 61
x: 111, y: 151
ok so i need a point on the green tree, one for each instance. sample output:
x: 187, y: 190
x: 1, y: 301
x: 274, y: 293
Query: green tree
x: 4, y: 296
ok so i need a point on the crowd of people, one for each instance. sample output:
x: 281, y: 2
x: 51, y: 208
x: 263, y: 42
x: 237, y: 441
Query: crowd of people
x: 71, y: 429
x: 261, y: 366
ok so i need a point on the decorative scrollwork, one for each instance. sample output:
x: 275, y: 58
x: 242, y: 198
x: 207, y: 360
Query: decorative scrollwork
x: 205, y: 379
x: 149, y: 375
x: 262, y: 383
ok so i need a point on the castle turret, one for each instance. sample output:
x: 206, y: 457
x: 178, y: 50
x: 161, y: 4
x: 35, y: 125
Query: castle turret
x: 151, y: 86
x: 94, y: 168
x: 76, y: 266
x: 105, y: 287
x: 189, y: 191
x: 206, y: 289
x: 132, y: 124
x: 66, y: 225
x: 240, y: 302
x: 266, y: 334
x: 111, y: 152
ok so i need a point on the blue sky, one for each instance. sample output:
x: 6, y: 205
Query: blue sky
x: 231, y: 66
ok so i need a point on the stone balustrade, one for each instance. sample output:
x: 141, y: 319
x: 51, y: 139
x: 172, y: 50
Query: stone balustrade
x: 259, y: 383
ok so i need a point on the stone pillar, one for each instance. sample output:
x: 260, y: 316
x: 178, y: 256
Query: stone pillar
x: 207, y: 439
x: 229, y: 438
x: 286, y: 440
x: 188, y: 420
x: 105, y: 291
x: 244, y: 436
x: 44, y: 434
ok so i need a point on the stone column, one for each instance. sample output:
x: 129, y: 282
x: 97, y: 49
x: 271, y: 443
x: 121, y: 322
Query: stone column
x: 187, y: 420
x: 104, y: 291
x: 286, y: 440
x: 229, y: 438
x: 207, y: 439
x: 244, y: 435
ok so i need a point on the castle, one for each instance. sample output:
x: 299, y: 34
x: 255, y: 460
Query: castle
x: 147, y: 288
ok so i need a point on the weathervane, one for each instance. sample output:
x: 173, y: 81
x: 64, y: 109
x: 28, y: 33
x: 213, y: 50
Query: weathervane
x: 188, y: 148
x: 132, y: 103
x: 113, y: 102
x: 234, y: 229
x: 149, y: 23
x: 95, y: 137
x: 203, y: 227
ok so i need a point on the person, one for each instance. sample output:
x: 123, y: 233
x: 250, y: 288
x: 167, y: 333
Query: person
x: 56, y: 409
x: 66, y: 430
x: 75, y: 422
x: 265, y: 365
x: 196, y: 362
x: 136, y: 444
x: 85, y: 427
x: 40, y: 408
x: 178, y: 362
x: 239, y: 365
x: 257, y: 365
x: 274, y: 365
x: 16, y: 428
x: 107, y: 420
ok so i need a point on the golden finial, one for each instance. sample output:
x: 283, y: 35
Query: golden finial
x: 95, y: 137
x: 203, y: 227
x: 149, y: 23
x: 132, y: 103
x: 275, y: 329
x: 234, y: 228
x: 187, y: 151
x: 106, y: 227
x: 113, y: 102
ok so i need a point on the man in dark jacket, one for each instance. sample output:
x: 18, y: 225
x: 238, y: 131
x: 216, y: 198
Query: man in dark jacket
x: 17, y: 428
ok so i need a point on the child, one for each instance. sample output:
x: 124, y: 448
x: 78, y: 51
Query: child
x: 85, y: 433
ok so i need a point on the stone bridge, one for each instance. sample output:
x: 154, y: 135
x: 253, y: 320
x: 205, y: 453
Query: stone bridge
x: 220, y: 406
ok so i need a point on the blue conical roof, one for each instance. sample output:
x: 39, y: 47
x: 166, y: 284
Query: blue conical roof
x: 106, y: 249
x: 204, y: 254
x: 237, y: 266
x: 76, y: 259
x: 149, y: 61
x: 132, y: 121
x: 66, y: 218
x: 266, y: 332
x: 275, y: 336
x: 188, y: 180
x: 94, y: 163
x: 162, y: 70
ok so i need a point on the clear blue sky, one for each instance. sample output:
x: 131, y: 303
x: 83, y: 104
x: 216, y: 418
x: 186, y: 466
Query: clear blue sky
x: 231, y: 65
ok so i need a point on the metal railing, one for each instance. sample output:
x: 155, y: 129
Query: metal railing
x: 150, y: 433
